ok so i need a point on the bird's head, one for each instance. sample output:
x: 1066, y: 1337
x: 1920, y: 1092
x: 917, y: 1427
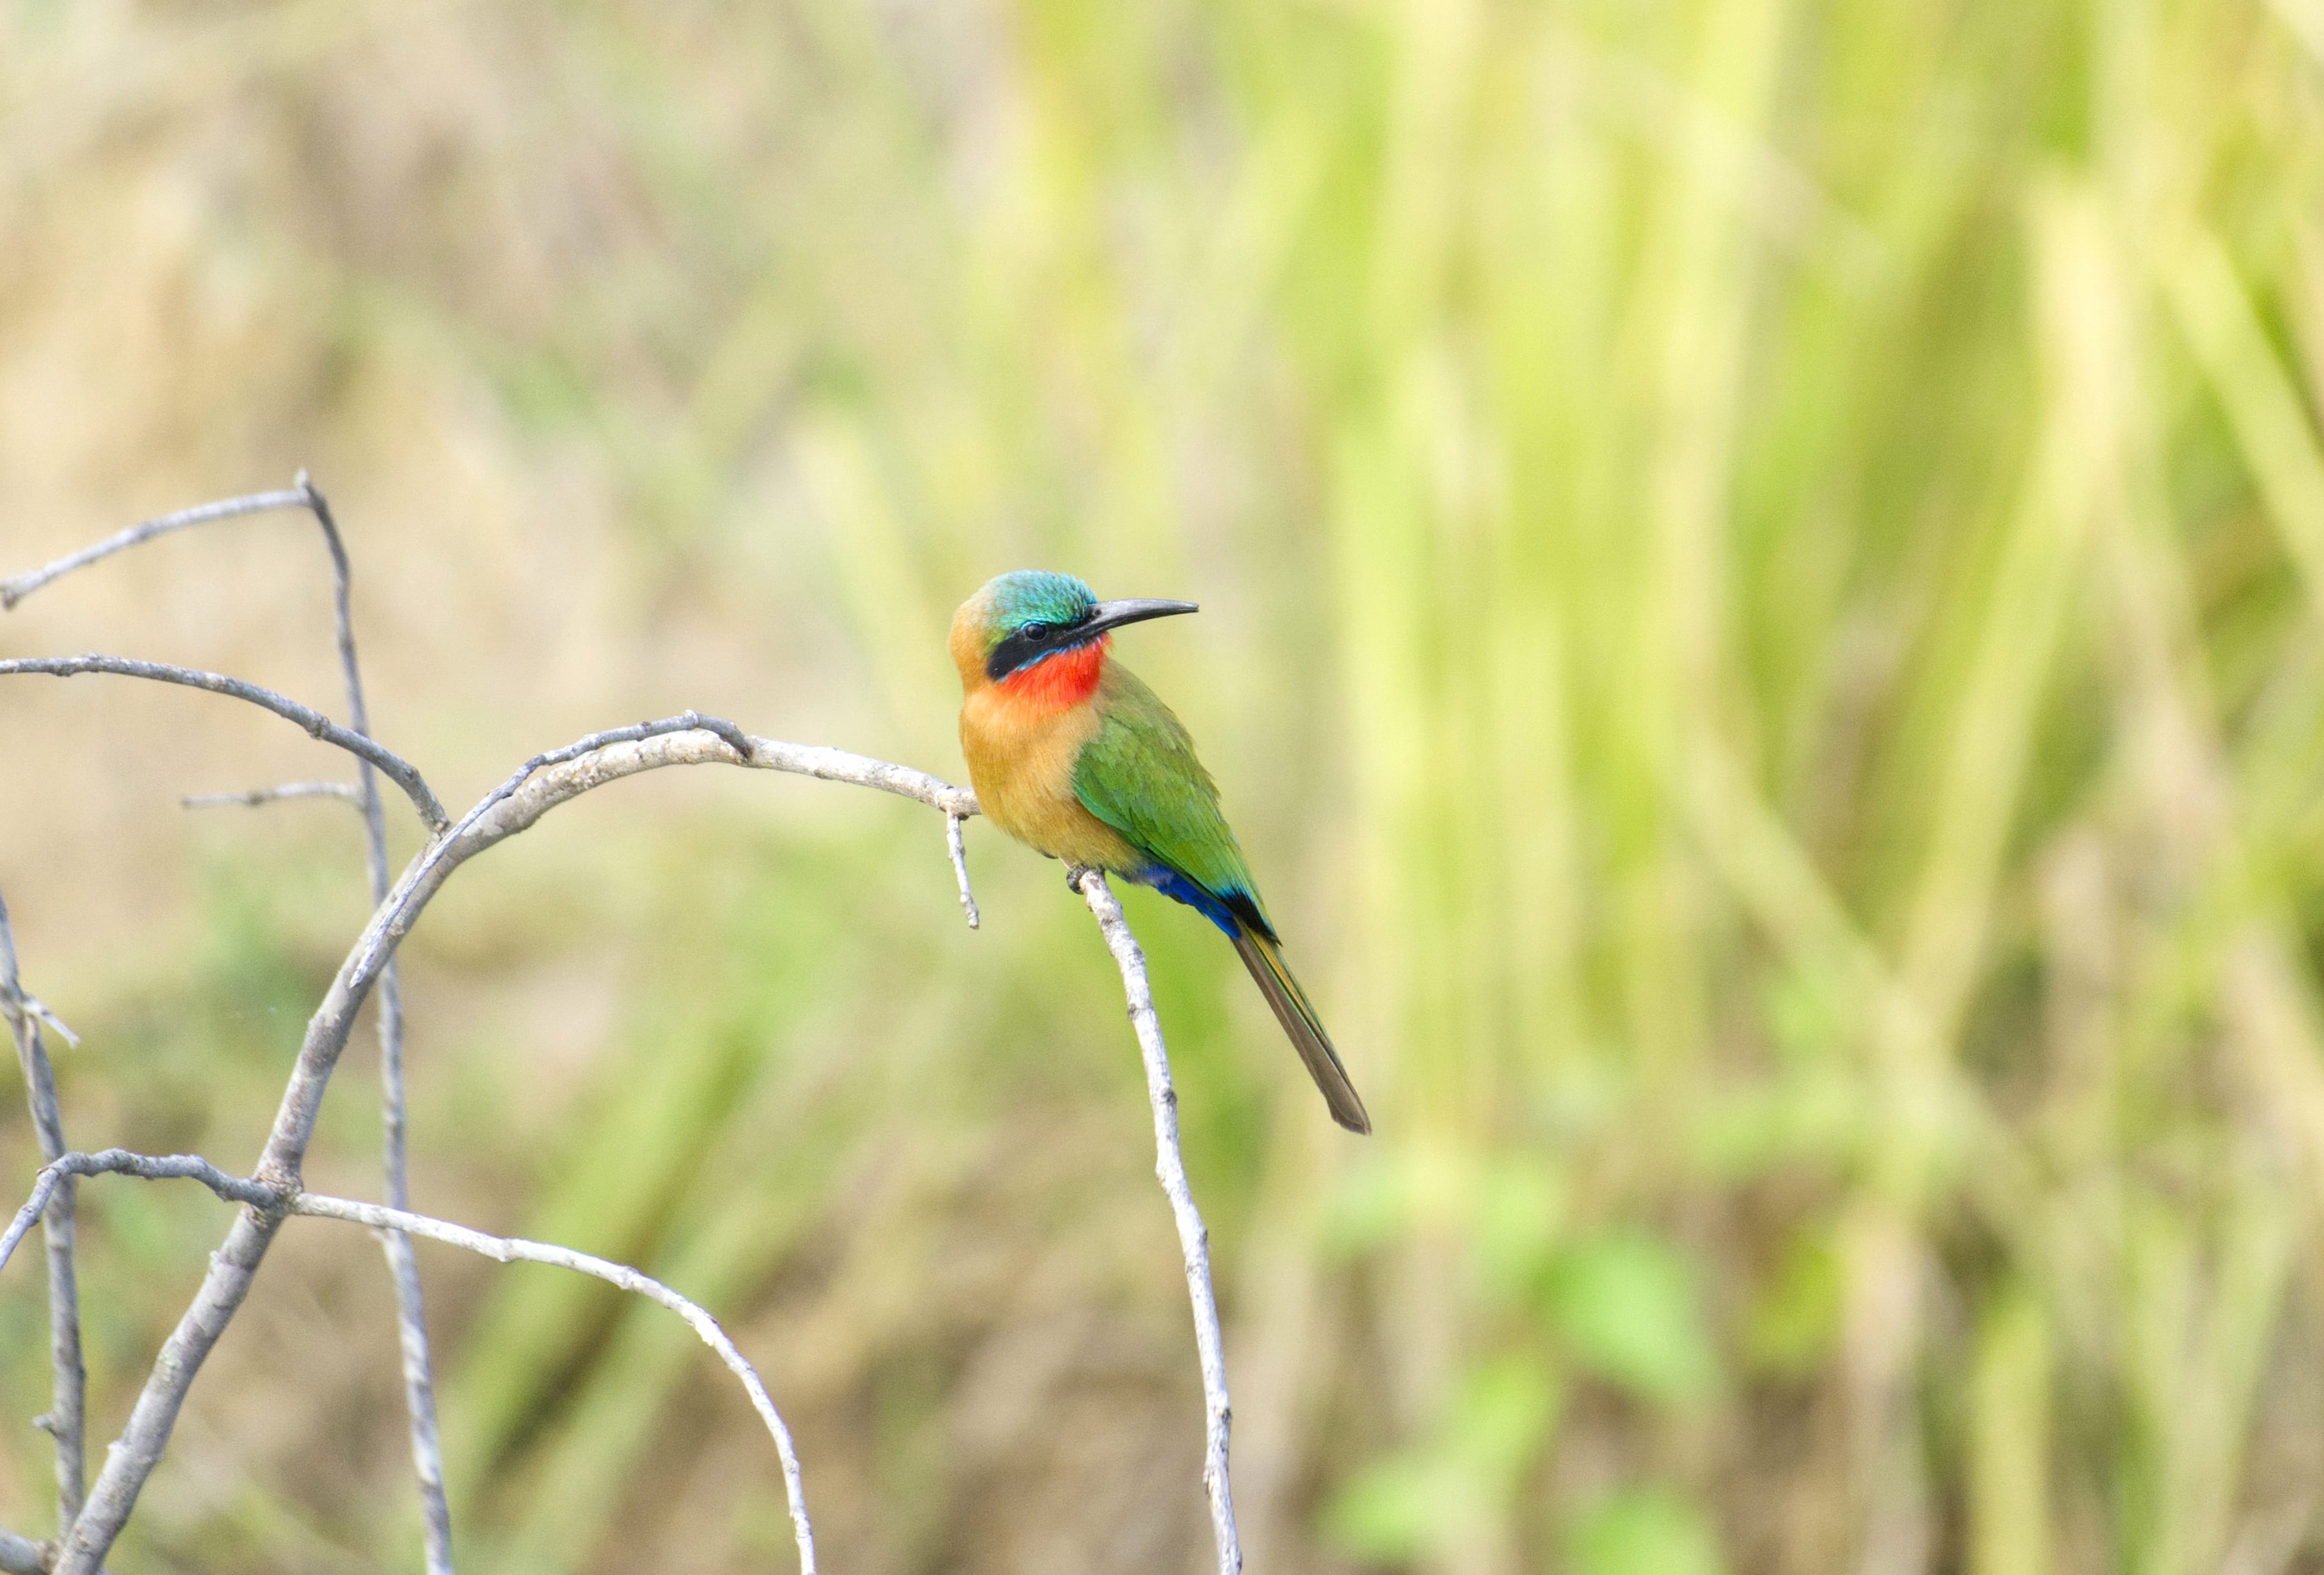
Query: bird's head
x: 1019, y: 624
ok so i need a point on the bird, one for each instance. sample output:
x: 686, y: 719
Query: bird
x: 1072, y: 755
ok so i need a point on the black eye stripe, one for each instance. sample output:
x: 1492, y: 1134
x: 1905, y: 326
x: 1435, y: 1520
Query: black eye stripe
x: 1034, y: 639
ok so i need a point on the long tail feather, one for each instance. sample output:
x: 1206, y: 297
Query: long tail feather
x: 1306, y: 1029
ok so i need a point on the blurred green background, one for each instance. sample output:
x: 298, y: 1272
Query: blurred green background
x: 1763, y: 568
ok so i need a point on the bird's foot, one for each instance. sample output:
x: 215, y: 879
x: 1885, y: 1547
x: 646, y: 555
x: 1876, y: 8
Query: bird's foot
x: 1074, y: 874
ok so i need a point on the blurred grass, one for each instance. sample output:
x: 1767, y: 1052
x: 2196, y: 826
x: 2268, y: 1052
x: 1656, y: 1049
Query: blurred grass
x: 1761, y: 562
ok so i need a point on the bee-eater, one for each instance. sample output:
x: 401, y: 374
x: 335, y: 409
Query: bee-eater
x: 1074, y: 756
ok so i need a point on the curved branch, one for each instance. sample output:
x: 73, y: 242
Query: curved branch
x: 399, y: 771
x: 427, y: 872
x: 411, y: 1313
x: 516, y: 1250
x: 1193, y: 1236
x: 280, y: 1201
x: 18, y: 587
x: 535, y: 788
x: 121, y: 1161
x: 410, y: 1306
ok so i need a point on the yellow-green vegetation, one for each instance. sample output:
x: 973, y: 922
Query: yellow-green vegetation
x: 1763, y: 567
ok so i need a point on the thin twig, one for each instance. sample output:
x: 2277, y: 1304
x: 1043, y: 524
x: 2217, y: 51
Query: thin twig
x: 402, y: 772
x: 1193, y: 1236
x: 539, y: 785
x: 151, y: 1167
x: 280, y: 1201
x: 253, y: 797
x: 532, y: 791
x: 17, y: 589
x: 14, y: 996
x: 403, y: 1270
x: 509, y: 1250
x: 410, y: 1312
x: 66, y: 1418
x: 959, y: 850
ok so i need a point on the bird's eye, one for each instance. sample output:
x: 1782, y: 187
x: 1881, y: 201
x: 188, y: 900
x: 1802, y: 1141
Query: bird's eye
x: 1036, y: 631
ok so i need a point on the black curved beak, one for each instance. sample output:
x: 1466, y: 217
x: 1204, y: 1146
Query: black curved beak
x: 1112, y: 615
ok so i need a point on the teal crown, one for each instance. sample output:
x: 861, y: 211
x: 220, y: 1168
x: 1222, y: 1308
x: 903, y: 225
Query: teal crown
x: 1033, y: 595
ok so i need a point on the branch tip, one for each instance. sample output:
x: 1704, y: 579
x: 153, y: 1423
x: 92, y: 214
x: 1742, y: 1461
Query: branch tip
x: 957, y: 845
x: 253, y: 797
x: 402, y: 772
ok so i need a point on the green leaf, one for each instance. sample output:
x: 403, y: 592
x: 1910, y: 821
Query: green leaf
x: 1503, y: 1412
x: 1368, y: 1208
x: 1813, y: 1114
x: 1401, y: 1506
x: 1797, y: 1316
x: 1646, y: 1531
x: 1516, y: 1218
x: 1627, y: 1306
x: 1422, y: 1499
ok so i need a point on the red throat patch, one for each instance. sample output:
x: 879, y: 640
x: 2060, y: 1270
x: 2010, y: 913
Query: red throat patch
x: 1059, y: 683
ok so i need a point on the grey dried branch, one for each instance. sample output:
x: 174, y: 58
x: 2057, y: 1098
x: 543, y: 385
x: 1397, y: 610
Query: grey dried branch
x: 517, y: 1250
x: 14, y: 997
x: 151, y: 1167
x: 66, y: 1420
x: 410, y: 1312
x: 33, y: 1004
x: 958, y: 846
x: 280, y: 1201
x: 17, y: 588
x: 22, y: 1555
x: 1193, y: 1236
x: 402, y: 772
x: 403, y: 1271
x: 537, y: 786
x: 530, y: 791
x: 253, y: 797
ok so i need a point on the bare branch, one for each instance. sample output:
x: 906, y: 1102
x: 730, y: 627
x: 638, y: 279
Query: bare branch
x: 530, y: 791
x: 14, y: 997
x: 411, y: 1316
x: 828, y: 765
x: 279, y: 1201
x: 402, y: 772
x: 959, y: 849
x: 1193, y: 1236
x: 512, y: 1250
x: 410, y: 1306
x: 514, y: 806
x: 33, y: 1004
x: 17, y: 589
x: 120, y: 1162
x: 22, y: 1556
x: 66, y: 1420
x: 253, y: 797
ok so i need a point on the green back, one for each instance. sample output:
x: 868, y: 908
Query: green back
x: 1140, y: 776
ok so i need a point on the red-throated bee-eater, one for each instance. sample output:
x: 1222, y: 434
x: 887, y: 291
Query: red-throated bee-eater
x: 1074, y: 756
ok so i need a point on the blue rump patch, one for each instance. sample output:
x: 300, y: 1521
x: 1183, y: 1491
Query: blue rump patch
x: 1171, y: 883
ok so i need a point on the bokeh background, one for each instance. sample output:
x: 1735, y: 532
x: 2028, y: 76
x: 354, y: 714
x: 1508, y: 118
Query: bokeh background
x: 1763, y: 581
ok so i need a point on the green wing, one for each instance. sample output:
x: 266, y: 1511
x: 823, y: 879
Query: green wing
x: 1140, y: 776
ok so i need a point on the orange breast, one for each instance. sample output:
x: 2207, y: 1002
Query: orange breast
x: 1021, y: 737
